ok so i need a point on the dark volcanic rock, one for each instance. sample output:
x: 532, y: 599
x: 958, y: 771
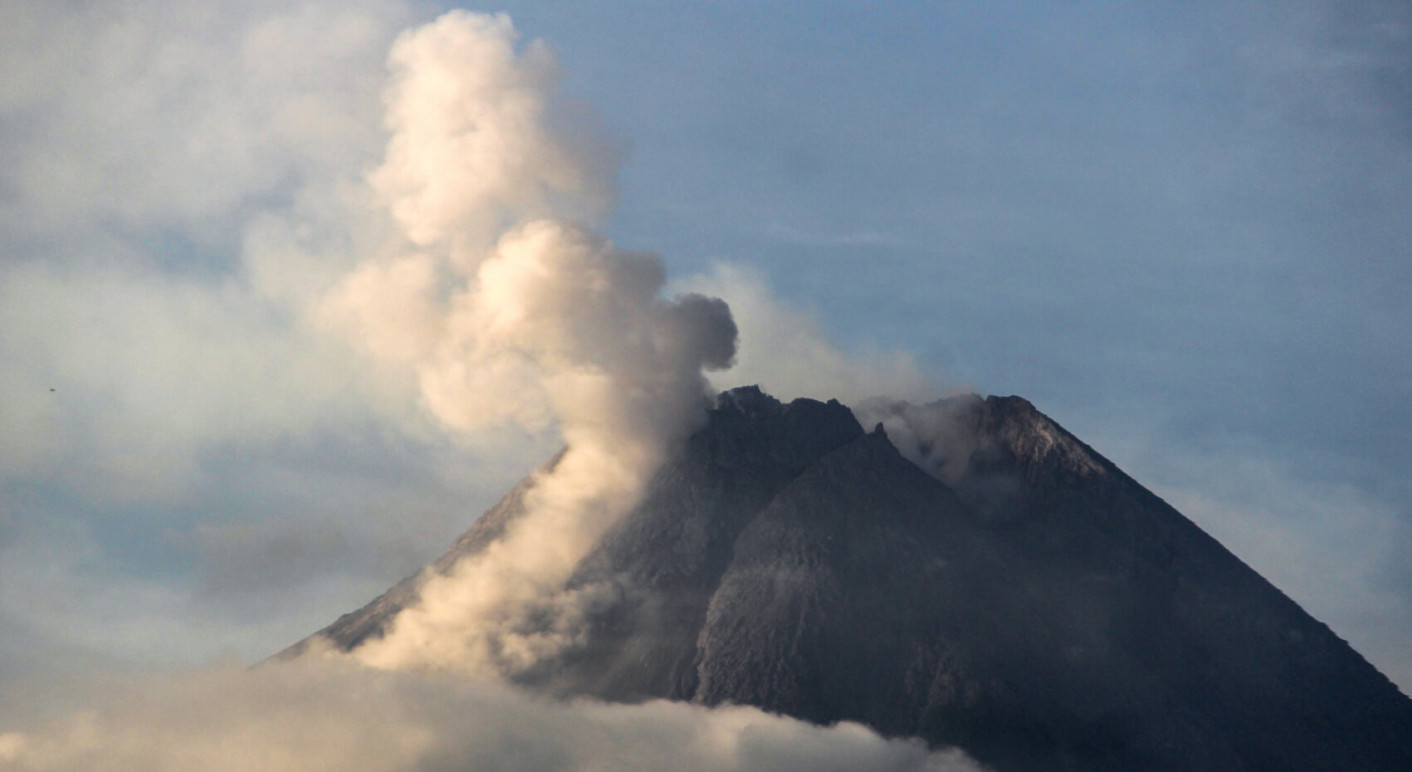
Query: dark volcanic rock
x: 1011, y: 592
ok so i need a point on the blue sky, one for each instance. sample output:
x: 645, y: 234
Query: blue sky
x: 1181, y: 232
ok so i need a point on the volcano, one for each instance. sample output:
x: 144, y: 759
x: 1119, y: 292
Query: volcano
x: 1001, y: 588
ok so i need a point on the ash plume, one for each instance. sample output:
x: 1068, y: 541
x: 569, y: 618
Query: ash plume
x: 511, y: 309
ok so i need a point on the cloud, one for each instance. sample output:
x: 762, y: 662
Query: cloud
x: 145, y: 145
x: 149, y: 113
x: 120, y: 377
x: 320, y: 714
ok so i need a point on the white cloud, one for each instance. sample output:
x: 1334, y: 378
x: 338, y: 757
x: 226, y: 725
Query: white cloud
x: 147, y: 112
x: 120, y: 377
x: 143, y: 140
x: 315, y: 715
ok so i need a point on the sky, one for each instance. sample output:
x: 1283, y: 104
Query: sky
x: 1180, y: 232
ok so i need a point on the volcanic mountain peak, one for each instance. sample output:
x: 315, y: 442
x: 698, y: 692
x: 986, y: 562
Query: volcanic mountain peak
x: 968, y: 572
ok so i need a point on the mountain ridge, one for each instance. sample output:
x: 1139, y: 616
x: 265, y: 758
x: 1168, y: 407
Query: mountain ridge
x: 1004, y: 588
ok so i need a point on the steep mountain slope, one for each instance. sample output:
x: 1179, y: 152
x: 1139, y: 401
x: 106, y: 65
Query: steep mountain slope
x: 1009, y: 591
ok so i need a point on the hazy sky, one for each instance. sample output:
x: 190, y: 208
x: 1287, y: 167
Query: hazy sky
x: 1181, y: 231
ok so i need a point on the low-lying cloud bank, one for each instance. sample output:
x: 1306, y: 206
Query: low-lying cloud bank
x: 326, y: 715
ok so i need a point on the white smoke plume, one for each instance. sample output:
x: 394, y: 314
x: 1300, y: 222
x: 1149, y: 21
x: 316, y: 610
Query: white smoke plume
x: 481, y: 139
x: 558, y: 321
x: 311, y: 716
x: 511, y: 309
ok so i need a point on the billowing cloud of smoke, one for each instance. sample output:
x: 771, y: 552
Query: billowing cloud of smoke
x: 326, y: 716
x: 561, y: 319
x: 512, y: 310
x: 479, y: 140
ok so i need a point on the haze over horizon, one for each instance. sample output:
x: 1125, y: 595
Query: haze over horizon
x: 1181, y: 233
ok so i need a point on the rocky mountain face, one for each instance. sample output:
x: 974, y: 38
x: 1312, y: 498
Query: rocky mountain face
x: 1007, y: 590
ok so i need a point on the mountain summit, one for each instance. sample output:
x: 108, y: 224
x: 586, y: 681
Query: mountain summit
x: 1001, y: 587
